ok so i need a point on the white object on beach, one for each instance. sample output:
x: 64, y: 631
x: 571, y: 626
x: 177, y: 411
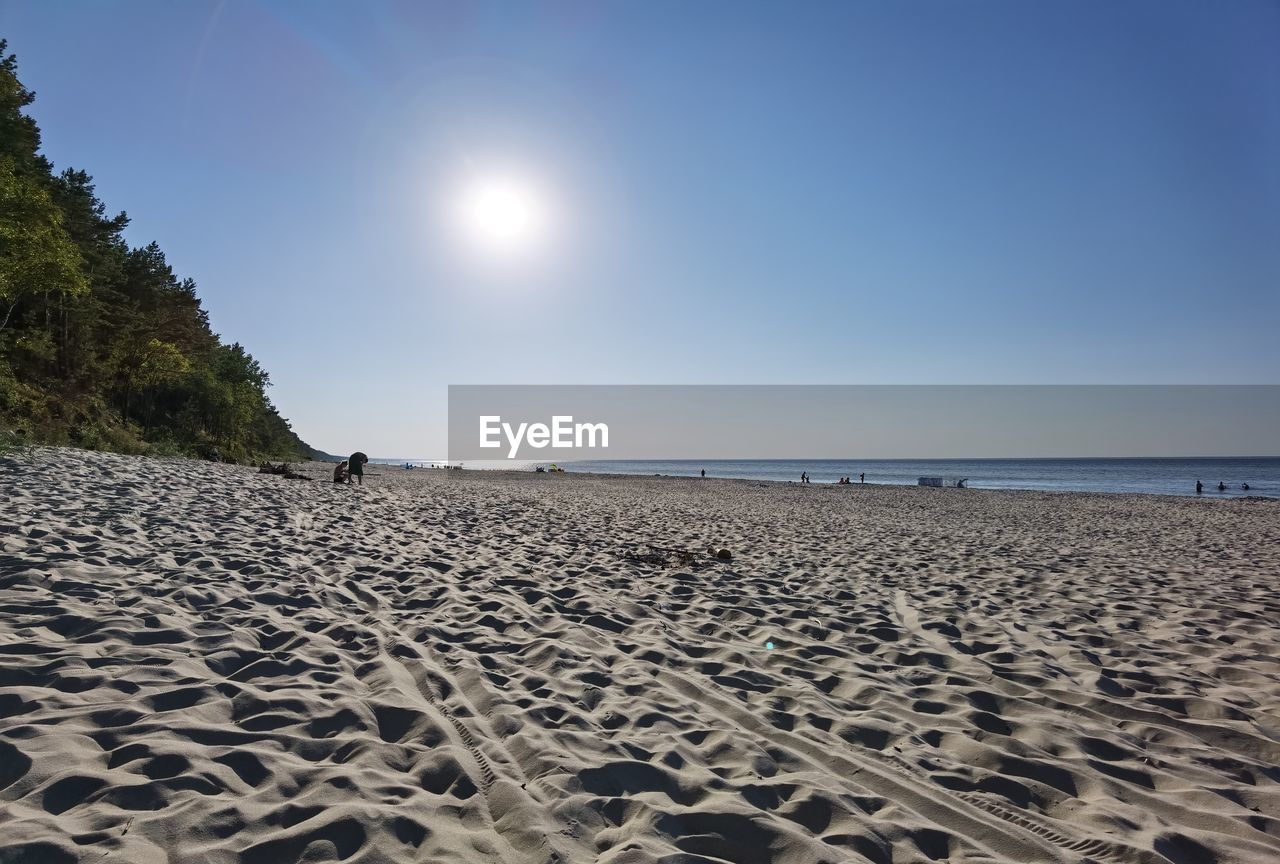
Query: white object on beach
x: 943, y: 481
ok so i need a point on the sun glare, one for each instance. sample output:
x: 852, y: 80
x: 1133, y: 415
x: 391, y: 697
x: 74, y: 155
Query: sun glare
x: 503, y: 215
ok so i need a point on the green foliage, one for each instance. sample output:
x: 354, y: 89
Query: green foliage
x: 161, y: 363
x: 14, y: 446
x: 36, y: 255
x: 103, y: 346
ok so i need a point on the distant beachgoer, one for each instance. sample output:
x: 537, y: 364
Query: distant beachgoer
x: 1199, y: 487
x: 704, y: 473
x: 340, y: 473
x: 355, y: 467
x: 1244, y: 486
x: 960, y: 483
x: 1222, y: 487
x: 862, y: 478
x: 804, y: 478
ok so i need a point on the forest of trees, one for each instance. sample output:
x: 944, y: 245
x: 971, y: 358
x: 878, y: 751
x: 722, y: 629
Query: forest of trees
x: 101, y: 345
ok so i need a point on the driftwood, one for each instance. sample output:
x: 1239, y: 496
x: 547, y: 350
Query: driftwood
x: 284, y: 469
x: 664, y: 557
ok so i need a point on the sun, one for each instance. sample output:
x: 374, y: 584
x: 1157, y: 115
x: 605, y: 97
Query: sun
x: 502, y: 215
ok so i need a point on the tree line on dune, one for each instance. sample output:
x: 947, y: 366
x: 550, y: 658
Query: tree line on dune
x: 102, y: 345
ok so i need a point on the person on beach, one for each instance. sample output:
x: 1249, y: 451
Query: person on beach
x: 1244, y: 486
x: 355, y: 467
x: 862, y: 478
x: 1222, y: 487
x: 704, y: 473
x: 1199, y: 487
x: 340, y: 473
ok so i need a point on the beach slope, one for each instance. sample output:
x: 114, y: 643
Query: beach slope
x: 199, y: 663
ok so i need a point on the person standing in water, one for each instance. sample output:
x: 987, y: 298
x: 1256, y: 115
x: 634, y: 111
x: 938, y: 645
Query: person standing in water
x: 862, y: 478
x: 1199, y: 487
x: 704, y: 473
x: 355, y: 467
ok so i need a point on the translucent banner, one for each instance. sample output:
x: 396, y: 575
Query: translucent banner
x: 577, y: 422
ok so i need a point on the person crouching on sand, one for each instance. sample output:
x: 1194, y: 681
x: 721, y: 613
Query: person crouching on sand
x: 355, y: 467
x: 340, y: 473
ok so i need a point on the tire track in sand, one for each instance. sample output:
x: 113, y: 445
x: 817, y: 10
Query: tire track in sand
x: 1044, y: 826
x: 515, y: 813
x: 1028, y: 841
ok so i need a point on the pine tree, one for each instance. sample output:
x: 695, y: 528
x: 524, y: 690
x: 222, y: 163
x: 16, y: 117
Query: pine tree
x: 103, y: 345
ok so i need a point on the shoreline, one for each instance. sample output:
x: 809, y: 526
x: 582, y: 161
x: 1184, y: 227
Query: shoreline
x: 1215, y: 496
x: 1082, y: 474
x: 1208, y: 495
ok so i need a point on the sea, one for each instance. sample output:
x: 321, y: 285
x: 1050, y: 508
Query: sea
x: 1152, y: 476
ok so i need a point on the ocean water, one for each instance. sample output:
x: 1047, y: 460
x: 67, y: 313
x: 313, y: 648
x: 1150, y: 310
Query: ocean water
x: 1150, y: 476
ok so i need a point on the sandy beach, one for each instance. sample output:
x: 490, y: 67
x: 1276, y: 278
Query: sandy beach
x: 199, y: 663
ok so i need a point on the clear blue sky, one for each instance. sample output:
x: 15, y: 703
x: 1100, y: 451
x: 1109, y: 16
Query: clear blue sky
x: 834, y: 192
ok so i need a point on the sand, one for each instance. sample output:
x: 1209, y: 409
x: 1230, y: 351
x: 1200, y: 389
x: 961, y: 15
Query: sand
x: 201, y: 664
